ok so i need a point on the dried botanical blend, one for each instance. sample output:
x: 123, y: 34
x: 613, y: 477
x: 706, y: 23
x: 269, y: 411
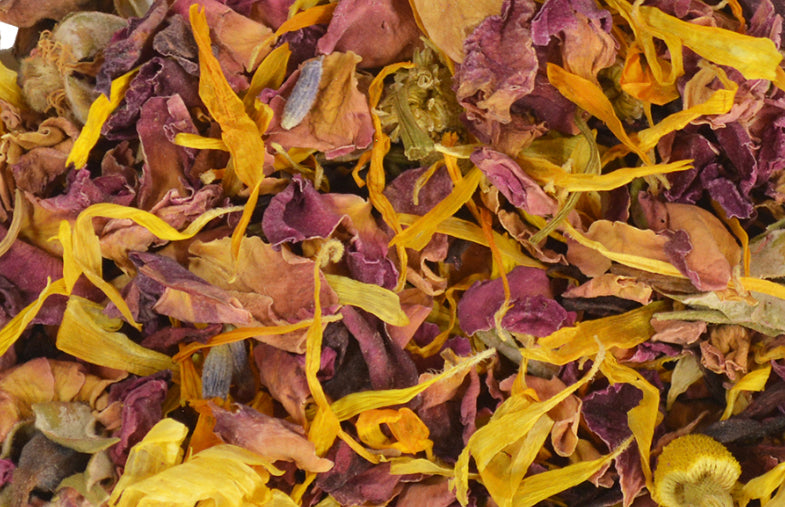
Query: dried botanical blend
x: 487, y: 252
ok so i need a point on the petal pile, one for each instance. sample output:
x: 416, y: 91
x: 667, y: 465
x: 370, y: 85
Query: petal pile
x: 298, y: 252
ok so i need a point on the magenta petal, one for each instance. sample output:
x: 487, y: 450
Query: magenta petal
x: 297, y: 213
x: 533, y: 310
x: 142, y: 400
x: 517, y: 186
x: 380, y: 31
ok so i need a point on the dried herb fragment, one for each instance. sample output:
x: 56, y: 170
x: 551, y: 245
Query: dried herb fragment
x: 695, y: 470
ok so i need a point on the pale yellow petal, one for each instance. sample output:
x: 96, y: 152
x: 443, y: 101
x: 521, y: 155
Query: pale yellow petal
x: 159, y: 450
x: 99, y: 112
x: 687, y: 372
x: 16, y: 326
x: 9, y: 89
x: 372, y: 298
x: 421, y: 231
x: 752, y: 381
x: 356, y: 403
x: 85, y: 332
x: 542, y: 486
x: 643, y: 418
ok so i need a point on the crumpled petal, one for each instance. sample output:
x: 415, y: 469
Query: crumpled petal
x: 268, y: 436
x: 339, y: 122
x: 447, y: 22
x: 379, y: 31
x: 500, y: 65
x: 258, y: 286
x: 517, y: 186
x: 532, y: 310
x: 184, y: 296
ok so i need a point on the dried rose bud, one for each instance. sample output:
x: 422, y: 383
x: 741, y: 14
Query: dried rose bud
x: 58, y: 73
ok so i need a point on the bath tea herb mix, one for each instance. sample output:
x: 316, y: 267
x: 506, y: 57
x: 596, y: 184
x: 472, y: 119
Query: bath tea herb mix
x: 388, y: 252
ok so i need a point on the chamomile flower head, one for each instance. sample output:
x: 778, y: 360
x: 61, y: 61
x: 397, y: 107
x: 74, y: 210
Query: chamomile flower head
x: 695, y: 470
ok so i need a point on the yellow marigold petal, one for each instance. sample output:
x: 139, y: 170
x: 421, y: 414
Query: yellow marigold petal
x: 158, y: 450
x: 318, y: 14
x: 754, y: 57
x: 269, y: 74
x: 571, y: 343
x: 447, y: 316
x: 448, y: 22
x: 421, y: 231
x: 541, y: 486
x: 409, y: 433
x: 634, y: 261
x: 243, y: 333
x: 221, y: 475
x: 331, y: 250
x: 376, y: 180
x: 590, y: 97
x: 278, y: 498
x: 407, y: 465
x: 239, y: 230
x: 71, y: 269
x: 719, y: 102
x: 737, y: 229
x: 9, y: 89
x: 664, y: 72
x: 355, y: 403
x: 762, y: 486
x: 752, y: 381
x: 85, y: 332
x: 199, y: 142
x: 325, y: 427
x: 643, y: 418
x: 505, y: 472
x: 687, y: 372
x: 238, y: 130
x: 16, y: 326
x: 379, y: 301
x: 82, y: 249
x: 511, y: 421
x: 580, y: 182
x: 99, y: 112
x: 763, y: 286
x: 463, y: 229
x: 638, y: 80
x: 190, y: 381
x: 16, y: 222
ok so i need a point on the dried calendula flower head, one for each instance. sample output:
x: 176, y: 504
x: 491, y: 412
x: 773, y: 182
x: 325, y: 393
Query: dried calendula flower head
x: 420, y: 105
x: 695, y: 470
